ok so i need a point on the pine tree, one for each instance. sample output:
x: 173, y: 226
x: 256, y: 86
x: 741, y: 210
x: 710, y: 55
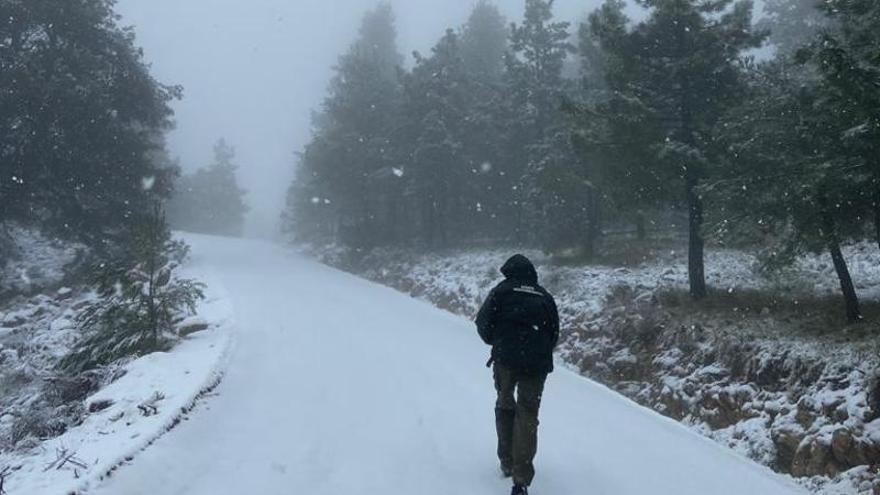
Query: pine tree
x: 378, y: 41
x: 210, y: 201
x: 484, y: 45
x: 140, y: 298
x: 347, y: 166
x: 846, y: 56
x: 786, y: 175
x: 535, y: 92
x: 484, y: 42
x: 539, y: 48
x: 80, y: 115
x: 673, y: 75
x: 438, y: 106
x: 616, y: 171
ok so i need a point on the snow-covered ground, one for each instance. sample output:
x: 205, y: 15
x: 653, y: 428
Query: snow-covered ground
x: 150, y: 395
x: 765, y: 367
x: 340, y: 386
x: 35, y: 261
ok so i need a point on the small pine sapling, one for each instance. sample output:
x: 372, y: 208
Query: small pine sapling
x: 139, y: 299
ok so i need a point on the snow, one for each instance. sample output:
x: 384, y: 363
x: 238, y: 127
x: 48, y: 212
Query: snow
x: 151, y: 396
x: 681, y: 383
x: 340, y: 386
x: 37, y: 261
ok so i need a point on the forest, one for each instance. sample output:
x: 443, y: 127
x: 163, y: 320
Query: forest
x: 697, y: 118
x: 84, y: 161
x: 696, y: 181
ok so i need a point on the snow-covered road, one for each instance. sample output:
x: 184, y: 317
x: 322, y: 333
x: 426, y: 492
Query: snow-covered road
x: 337, y: 386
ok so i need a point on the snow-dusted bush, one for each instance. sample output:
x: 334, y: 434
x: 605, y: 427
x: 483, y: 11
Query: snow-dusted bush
x: 139, y: 298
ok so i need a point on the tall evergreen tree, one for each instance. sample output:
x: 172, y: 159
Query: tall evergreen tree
x: 847, y: 57
x: 787, y: 174
x: 436, y: 104
x: 484, y: 45
x: 484, y: 42
x: 539, y: 48
x: 210, y: 201
x: 80, y: 115
x: 675, y: 74
x: 616, y: 170
x: 535, y: 127
x: 378, y: 41
x: 347, y: 168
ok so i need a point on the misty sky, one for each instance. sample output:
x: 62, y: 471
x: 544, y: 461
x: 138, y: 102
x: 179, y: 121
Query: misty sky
x: 253, y: 70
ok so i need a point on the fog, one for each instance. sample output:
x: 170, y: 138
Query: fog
x: 690, y: 196
x: 253, y: 71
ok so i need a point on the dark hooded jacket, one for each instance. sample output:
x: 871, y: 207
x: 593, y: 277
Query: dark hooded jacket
x: 520, y: 320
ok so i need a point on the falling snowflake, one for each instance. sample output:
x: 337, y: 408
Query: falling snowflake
x: 147, y: 183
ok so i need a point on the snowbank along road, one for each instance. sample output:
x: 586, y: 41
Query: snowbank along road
x: 337, y: 386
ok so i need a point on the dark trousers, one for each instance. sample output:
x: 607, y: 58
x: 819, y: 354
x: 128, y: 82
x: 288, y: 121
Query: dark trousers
x: 516, y: 419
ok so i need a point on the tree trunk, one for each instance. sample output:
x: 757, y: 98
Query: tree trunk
x: 696, y: 244
x: 853, y: 312
x: 594, y: 223
x: 877, y: 213
x: 641, y: 228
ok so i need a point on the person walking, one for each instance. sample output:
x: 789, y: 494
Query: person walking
x: 520, y: 320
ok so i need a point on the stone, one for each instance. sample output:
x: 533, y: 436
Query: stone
x: 804, y: 416
x: 846, y: 450
x: 787, y: 443
x: 100, y: 405
x: 191, y: 326
x: 814, y: 458
x: 13, y: 320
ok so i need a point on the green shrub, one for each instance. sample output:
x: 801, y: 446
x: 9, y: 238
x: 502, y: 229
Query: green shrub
x: 139, y: 298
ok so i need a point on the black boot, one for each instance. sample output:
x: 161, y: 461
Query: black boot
x: 519, y: 490
x: 506, y: 471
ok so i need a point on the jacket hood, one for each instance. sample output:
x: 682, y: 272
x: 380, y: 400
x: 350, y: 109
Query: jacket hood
x: 519, y: 268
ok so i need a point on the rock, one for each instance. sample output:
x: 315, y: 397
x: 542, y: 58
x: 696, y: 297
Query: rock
x: 874, y: 397
x: 847, y: 452
x: 804, y: 416
x: 814, y: 458
x: 672, y: 405
x: 787, y: 443
x: 13, y: 320
x: 64, y: 293
x: 191, y: 326
x: 840, y: 415
x: 100, y: 405
x: 872, y: 453
x: 728, y: 408
x: 624, y: 365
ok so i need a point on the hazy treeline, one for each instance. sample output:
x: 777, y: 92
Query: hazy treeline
x: 209, y: 200
x: 82, y: 125
x: 539, y: 132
